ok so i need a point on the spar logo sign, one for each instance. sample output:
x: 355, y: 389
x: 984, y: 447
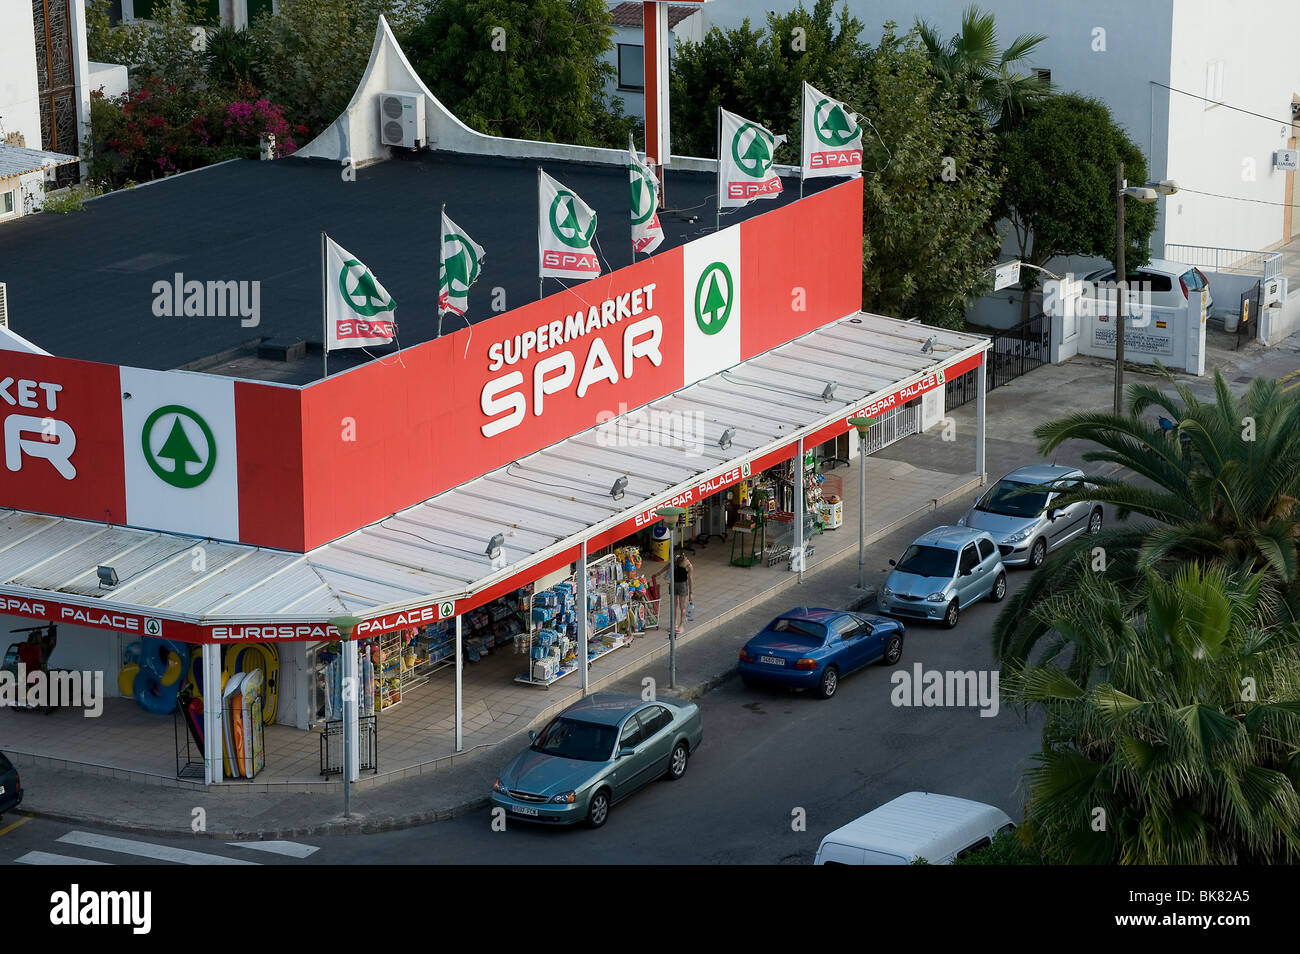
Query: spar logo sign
x: 563, y: 220
x: 643, y: 195
x: 752, y: 148
x: 714, y: 294
x: 462, y: 266
x: 179, y: 446
x: 361, y: 291
x: 832, y: 125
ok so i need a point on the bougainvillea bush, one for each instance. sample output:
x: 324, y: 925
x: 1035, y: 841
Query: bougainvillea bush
x: 161, y: 129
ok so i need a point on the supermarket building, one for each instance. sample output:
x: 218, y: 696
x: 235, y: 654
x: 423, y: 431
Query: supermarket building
x: 483, y: 501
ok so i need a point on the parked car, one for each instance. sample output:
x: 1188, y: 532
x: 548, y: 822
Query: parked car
x: 11, y: 786
x: 813, y: 648
x: 1172, y: 284
x: 918, y: 825
x: 596, y: 753
x: 944, y: 571
x: 1024, y: 522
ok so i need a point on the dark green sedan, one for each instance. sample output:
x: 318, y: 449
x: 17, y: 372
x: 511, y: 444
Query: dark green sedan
x: 595, y: 753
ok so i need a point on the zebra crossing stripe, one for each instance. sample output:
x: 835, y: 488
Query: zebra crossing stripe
x: 291, y: 849
x: 46, y: 858
x: 144, y: 849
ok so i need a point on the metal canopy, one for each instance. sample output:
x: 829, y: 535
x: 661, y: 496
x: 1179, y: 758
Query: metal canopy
x: 543, y: 504
x: 19, y: 160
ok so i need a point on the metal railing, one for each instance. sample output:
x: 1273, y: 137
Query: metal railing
x: 893, y: 426
x: 1244, y: 261
x: 1014, y: 352
x: 331, y: 746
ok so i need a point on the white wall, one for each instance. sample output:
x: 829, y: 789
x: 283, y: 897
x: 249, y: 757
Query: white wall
x: 78, y: 647
x: 109, y: 77
x: 1211, y: 149
x: 19, y: 109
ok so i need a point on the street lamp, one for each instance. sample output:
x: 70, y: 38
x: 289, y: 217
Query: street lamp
x: 346, y: 625
x: 672, y: 516
x: 862, y: 424
x: 1147, y: 193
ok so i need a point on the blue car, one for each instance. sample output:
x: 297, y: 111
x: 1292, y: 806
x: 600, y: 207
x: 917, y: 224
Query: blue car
x: 812, y: 648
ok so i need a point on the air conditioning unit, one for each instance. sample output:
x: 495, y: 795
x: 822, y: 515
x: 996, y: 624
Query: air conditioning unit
x: 4, y: 306
x: 401, y: 119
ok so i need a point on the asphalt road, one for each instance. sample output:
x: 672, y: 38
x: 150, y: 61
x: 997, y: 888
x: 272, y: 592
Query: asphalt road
x: 768, y: 758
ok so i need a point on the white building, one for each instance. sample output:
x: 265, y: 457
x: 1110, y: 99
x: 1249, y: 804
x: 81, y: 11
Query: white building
x: 235, y: 13
x: 628, y: 54
x: 45, y: 85
x: 1204, y: 88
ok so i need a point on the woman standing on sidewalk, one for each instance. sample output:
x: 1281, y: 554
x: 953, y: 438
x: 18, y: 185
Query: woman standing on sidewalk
x: 683, y: 587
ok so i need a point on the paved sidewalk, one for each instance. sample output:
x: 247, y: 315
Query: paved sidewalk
x: 461, y: 784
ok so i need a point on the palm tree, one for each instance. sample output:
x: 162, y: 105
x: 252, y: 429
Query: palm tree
x: 1185, y: 748
x: 1222, y: 486
x: 971, y: 66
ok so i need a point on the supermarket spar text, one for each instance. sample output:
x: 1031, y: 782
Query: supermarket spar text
x: 507, y: 398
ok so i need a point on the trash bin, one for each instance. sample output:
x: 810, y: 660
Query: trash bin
x: 659, y: 542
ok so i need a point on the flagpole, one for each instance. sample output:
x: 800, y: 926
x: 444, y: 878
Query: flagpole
x: 324, y: 305
x: 803, y: 130
x: 631, y: 148
x: 438, y: 303
x: 539, y: 229
x: 717, y: 215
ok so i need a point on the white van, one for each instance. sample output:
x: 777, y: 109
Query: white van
x: 937, y: 828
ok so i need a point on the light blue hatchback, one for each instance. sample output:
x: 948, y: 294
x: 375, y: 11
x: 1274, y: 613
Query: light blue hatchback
x: 944, y: 571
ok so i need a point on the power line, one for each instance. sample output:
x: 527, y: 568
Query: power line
x: 1238, y: 198
x: 1206, y: 99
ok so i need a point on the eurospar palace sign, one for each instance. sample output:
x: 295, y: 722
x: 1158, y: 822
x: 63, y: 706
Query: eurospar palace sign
x: 134, y: 624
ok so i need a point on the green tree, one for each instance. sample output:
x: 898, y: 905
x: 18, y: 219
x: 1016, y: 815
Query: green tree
x: 1186, y: 748
x: 980, y: 74
x: 531, y: 69
x: 1229, y: 495
x: 312, y: 54
x: 928, y: 199
x: 1059, y: 194
x: 165, y: 45
x: 759, y: 74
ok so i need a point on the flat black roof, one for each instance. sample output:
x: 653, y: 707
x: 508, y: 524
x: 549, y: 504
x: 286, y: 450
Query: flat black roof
x: 81, y: 285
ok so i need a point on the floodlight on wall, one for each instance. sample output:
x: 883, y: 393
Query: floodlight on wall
x: 616, y: 491
x: 828, y: 392
x: 725, y: 440
x: 107, y: 576
x: 928, y: 347
x: 494, y: 546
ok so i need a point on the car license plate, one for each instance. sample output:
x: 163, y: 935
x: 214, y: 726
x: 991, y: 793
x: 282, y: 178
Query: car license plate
x: 772, y: 660
x: 523, y: 810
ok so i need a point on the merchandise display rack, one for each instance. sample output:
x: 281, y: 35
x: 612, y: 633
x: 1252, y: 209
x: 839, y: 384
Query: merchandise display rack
x: 617, y: 609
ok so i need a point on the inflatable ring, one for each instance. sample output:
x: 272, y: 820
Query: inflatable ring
x: 158, y: 681
x: 194, y: 675
x: 126, y: 680
x: 172, y: 674
x: 266, y: 657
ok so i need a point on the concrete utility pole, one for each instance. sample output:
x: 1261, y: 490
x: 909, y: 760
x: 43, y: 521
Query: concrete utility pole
x: 1121, y: 299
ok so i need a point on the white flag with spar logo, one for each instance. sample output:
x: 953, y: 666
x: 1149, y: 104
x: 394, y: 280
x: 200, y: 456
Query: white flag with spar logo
x: 832, y: 138
x: 358, y: 311
x: 566, y: 227
x: 745, y: 165
x: 646, y: 230
x: 461, y: 261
